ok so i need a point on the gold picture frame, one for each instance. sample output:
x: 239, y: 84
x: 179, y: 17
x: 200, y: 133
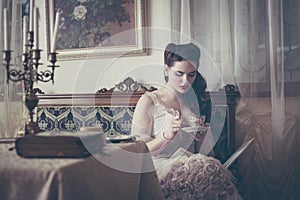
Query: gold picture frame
x: 97, y: 28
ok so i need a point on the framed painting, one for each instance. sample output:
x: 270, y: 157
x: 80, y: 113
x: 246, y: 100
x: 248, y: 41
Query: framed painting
x: 96, y: 28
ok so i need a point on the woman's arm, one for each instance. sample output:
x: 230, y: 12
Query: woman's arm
x: 142, y: 124
x: 161, y: 140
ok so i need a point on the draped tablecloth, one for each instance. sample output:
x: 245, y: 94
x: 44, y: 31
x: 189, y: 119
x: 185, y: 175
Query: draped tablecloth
x: 88, y: 178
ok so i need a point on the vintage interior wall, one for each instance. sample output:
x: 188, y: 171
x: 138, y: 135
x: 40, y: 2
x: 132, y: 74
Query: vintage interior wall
x: 89, y: 75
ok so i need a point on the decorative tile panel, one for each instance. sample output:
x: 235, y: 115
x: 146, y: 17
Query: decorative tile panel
x: 113, y: 120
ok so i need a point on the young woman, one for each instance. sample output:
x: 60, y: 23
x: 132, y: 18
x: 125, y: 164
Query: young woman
x: 160, y: 117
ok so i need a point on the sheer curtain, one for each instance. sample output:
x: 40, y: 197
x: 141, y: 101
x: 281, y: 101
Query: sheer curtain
x: 255, y: 45
x: 12, y: 116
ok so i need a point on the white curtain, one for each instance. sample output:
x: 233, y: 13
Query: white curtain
x: 12, y: 115
x: 255, y: 45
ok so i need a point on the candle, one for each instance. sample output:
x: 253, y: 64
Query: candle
x: 25, y: 31
x: 36, y: 28
x: 31, y: 17
x: 51, y: 17
x: 5, y: 24
x: 54, y: 36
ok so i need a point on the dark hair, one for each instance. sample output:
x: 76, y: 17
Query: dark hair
x: 190, y: 52
x: 204, y: 102
x: 180, y: 52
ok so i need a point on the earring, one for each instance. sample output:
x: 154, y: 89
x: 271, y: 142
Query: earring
x: 166, y: 77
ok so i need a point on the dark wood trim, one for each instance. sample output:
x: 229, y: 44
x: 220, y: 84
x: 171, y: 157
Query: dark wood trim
x: 124, y: 93
x: 102, y: 99
x: 232, y: 97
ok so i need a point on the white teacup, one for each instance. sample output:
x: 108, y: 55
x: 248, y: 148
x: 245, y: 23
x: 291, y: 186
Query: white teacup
x: 196, y: 120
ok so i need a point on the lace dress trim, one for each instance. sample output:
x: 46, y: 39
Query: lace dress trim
x: 161, y: 105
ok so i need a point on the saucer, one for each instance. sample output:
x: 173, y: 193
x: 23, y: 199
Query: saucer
x: 193, y: 129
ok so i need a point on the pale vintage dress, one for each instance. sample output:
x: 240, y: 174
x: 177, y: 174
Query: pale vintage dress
x: 188, y: 177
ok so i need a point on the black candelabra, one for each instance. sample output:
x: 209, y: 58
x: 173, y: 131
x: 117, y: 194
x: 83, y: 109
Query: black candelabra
x: 29, y: 74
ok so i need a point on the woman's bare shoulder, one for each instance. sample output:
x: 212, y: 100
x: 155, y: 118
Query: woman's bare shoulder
x: 148, y: 100
x: 145, y: 100
x: 143, y: 106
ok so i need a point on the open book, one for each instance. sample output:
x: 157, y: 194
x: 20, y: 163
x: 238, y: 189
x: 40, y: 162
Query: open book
x: 181, y: 151
x: 237, y: 153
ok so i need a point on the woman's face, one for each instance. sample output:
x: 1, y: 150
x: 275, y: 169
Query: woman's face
x: 181, y: 76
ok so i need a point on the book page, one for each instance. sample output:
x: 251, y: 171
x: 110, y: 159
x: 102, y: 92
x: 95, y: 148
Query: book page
x: 237, y: 153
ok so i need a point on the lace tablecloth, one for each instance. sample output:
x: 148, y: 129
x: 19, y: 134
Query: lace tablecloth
x: 62, y: 179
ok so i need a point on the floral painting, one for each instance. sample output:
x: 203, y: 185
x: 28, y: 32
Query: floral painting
x: 99, y: 26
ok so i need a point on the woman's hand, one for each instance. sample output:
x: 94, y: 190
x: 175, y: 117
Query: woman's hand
x: 173, y: 128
